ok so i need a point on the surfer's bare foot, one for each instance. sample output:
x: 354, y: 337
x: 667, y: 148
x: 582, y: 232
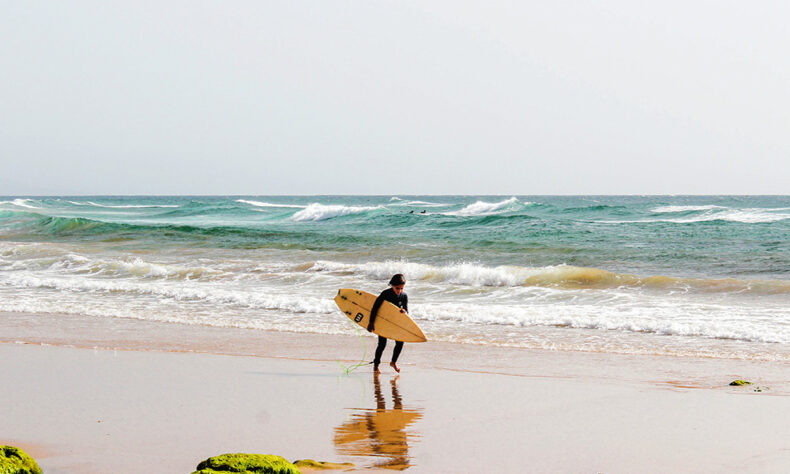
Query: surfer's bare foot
x: 376, y: 369
x: 395, y: 366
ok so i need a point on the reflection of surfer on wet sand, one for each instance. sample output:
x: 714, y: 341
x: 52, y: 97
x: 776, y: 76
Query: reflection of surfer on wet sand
x: 380, y: 432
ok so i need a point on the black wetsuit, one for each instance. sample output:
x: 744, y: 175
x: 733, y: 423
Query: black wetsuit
x: 401, y: 301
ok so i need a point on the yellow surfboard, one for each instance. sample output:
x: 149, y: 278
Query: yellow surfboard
x: 390, y: 321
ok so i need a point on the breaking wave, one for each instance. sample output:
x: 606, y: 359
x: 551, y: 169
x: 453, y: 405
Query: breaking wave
x: 320, y: 212
x: 744, y: 216
x: 673, y: 209
x: 183, y: 292
x: 559, y: 276
x: 481, y: 208
x: 121, y: 206
x: 269, y: 204
x: 421, y: 203
x: 21, y: 203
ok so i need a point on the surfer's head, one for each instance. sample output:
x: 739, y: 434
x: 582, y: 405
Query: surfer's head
x: 397, y: 282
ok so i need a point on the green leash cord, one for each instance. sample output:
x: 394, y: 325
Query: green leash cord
x: 348, y: 369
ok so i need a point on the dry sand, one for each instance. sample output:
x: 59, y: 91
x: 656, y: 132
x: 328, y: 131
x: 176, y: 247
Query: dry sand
x: 455, y: 408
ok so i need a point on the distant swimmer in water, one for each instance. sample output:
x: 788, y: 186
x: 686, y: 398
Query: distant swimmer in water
x: 395, y: 295
x: 423, y: 211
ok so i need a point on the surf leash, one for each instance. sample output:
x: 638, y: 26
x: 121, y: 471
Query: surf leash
x: 348, y: 369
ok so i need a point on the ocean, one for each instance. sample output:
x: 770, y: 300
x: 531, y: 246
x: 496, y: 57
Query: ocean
x: 699, y: 276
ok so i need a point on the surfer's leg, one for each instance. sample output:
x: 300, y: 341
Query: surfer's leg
x: 396, y: 351
x: 379, y: 351
x: 396, y: 354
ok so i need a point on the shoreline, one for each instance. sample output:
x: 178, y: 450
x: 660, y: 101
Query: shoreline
x: 121, y: 334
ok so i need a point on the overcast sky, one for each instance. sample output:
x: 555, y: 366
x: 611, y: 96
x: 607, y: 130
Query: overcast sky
x: 396, y: 97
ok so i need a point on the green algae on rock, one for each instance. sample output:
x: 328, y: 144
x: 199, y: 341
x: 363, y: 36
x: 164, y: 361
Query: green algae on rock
x: 739, y: 382
x: 15, y: 461
x: 311, y: 465
x: 247, y: 464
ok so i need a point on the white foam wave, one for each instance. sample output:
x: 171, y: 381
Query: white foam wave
x: 561, y: 277
x: 459, y: 273
x: 74, y: 264
x: 422, y: 204
x: 120, y: 206
x: 183, y: 292
x: 21, y: 203
x: 672, y: 209
x: 135, y: 267
x: 319, y: 212
x: 269, y: 204
x: 482, y: 208
x: 751, y: 216
x: 746, y: 216
x: 698, y: 320
x: 214, y: 305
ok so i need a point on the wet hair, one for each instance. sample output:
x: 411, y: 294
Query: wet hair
x: 397, y: 279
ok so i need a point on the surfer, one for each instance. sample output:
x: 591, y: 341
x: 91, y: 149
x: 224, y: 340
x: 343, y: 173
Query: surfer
x: 395, y: 295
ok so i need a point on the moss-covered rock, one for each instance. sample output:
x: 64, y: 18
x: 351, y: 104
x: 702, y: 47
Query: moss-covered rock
x: 246, y: 464
x: 739, y: 382
x: 15, y: 461
x: 310, y: 465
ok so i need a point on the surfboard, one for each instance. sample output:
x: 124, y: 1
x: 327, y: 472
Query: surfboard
x: 390, y: 322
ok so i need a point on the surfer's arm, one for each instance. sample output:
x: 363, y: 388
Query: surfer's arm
x: 374, y: 310
x: 405, y: 308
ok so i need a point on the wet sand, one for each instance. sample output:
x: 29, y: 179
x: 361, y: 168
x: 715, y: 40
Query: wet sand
x: 455, y: 408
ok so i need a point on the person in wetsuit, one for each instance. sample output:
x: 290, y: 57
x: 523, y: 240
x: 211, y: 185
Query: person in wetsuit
x: 395, y: 295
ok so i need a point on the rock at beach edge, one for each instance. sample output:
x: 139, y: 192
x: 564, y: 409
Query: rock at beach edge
x: 247, y: 464
x: 15, y: 461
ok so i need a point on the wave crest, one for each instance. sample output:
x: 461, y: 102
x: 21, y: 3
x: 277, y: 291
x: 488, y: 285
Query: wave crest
x: 420, y: 204
x: 673, y: 209
x: 744, y: 216
x: 21, y: 203
x: 320, y: 212
x: 269, y: 204
x: 557, y: 276
x: 219, y: 296
x: 481, y: 208
x: 122, y: 206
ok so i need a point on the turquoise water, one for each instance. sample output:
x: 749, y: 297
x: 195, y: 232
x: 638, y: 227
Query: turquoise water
x: 698, y: 275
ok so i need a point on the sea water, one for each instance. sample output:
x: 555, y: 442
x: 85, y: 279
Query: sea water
x: 680, y: 275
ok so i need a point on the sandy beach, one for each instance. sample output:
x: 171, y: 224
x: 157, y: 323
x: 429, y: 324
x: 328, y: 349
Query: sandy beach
x: 577, y: 208
x: 139, y: 401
